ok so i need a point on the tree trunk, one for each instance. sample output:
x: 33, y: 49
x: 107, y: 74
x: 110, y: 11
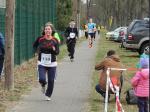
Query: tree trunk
x: 9, y: 45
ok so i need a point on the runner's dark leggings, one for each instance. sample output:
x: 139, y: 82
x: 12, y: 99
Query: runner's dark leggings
x: 94, y: 35
x: 91, y: 36
x: 86, y: 35
x: 71, y: 49
x: 51, y: 71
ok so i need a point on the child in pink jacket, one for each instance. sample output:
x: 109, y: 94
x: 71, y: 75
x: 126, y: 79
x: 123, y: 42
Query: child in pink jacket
x: 140, y: 83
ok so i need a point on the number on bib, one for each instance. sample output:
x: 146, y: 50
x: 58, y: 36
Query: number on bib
x: 46, y: 59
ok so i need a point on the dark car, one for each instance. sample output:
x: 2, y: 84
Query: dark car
x: 138, y: 36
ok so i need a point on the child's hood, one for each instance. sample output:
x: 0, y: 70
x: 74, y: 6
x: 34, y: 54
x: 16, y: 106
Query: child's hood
x: 145, y: 73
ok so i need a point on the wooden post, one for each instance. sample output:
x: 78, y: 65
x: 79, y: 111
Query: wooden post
x: 78, y: 16
x: 9, y: 44
x: 87, y: 7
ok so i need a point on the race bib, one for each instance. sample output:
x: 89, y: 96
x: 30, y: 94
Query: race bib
x: 72, y: 35
x: 45, y: 59
x: 90, y: 30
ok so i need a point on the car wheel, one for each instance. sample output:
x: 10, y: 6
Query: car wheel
x: 144, y: 48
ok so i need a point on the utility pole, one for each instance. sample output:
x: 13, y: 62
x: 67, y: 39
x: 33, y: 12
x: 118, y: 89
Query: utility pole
x: 78, y: 16
x: 9, y: 44
x: 87, y: 7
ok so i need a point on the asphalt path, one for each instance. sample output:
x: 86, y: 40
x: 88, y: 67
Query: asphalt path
x: 72, y: 86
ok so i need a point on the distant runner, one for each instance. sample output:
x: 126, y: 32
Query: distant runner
x: 98, y: 29
x: 71, y: 34
x: 86, y: 31
x: 91, y: 31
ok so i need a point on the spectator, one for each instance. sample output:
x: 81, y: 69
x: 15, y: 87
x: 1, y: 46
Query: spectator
x: 140, y: 83
x: 145, y: 56
x: 111, y: 60
x: 2, y: 53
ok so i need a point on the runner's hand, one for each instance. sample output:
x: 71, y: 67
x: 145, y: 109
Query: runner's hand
x: 53, y: 48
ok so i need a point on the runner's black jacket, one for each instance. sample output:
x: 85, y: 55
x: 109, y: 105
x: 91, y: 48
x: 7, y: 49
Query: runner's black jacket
x: 42, y: 45
x: 68, y: 31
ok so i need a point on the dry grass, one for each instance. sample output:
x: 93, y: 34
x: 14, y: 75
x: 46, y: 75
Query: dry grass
x: 24, y: 80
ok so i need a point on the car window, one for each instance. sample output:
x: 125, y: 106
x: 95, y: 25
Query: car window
x: 117, y: 29
x: 138, y: 30
x: 130, y: 26
x: 141, y: 30
x: 137, y: 25
x: 141, y: 25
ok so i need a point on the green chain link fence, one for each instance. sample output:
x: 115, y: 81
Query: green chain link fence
x: 30, y: 17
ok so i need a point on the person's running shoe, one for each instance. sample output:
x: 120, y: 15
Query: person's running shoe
x: 90, y: 45
x: 47, y: 98
x: 72, y: 60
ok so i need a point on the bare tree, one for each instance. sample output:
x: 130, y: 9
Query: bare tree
x: 122, y: 11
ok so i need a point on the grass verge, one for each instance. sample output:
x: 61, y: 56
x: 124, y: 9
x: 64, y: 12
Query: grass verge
x: 129, y: 59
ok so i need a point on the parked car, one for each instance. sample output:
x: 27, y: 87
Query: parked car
x: 138, y: 35
x: 109, y: 34
x: 113, y: 34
